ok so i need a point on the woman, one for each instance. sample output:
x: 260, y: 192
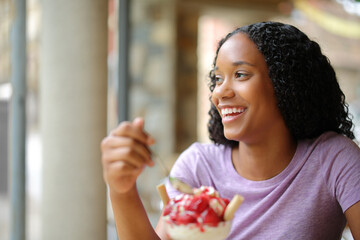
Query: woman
x: 282, y: 139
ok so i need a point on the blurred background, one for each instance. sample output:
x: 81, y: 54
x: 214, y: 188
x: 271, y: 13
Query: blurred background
x: 73, y: 69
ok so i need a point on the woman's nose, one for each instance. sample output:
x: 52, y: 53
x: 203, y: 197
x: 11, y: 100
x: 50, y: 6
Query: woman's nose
x: 224, y: 90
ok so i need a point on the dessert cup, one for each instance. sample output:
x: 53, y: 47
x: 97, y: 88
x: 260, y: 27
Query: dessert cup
x: 193, y: 231
x: 200, y: 215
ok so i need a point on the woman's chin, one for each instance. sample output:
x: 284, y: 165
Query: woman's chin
x: 232, y: 136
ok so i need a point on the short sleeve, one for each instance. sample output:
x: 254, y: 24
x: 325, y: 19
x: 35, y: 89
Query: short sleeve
x: 348, y: 183
x: 342, y: 160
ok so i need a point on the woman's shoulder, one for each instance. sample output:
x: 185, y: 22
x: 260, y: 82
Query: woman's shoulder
x: 206, y: 148
x: 339, y: 159
x: 330, y: 153
x: 332, y: 142
x: 335, y: 137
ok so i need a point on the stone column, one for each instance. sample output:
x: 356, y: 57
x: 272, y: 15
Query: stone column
x: 73, y: 91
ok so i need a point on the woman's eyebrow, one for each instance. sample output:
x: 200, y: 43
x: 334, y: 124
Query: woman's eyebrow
x: 237, y: 63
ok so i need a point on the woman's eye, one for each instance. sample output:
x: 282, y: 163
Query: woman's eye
x: 218, y: 79
x: 240, y: 75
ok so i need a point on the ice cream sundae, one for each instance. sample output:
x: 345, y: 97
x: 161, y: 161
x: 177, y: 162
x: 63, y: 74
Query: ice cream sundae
x: 200, y: 215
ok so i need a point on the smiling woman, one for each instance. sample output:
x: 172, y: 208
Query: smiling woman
x: 282, y: 139
x: 242, y: 82
x: 302, y: 78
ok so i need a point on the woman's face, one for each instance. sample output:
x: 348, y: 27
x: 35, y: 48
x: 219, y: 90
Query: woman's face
x: 244, y: 94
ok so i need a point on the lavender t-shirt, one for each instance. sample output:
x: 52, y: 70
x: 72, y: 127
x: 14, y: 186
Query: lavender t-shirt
x: 305, y: 201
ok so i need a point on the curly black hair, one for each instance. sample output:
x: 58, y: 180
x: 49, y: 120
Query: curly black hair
x: 305, y: 84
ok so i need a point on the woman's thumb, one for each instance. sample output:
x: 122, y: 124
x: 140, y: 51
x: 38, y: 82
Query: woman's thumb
x: 139, y: 122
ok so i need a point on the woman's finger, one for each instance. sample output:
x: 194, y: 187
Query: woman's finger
x: 120, y: 168
x: 133, y: 130
x: 132, y: 156
x: 122, y: 148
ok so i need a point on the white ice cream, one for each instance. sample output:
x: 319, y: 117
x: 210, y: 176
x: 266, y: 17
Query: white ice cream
x: 193, y: 232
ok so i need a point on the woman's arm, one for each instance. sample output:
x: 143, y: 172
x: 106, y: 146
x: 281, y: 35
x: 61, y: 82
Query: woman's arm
x: 125, y: 154
x: 353, y: 217
x: 131, y: 218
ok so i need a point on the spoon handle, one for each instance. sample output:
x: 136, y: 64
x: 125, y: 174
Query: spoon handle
x: 161, y: 163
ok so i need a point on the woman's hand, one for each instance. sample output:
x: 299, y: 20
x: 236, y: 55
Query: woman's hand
x: 125, y: 153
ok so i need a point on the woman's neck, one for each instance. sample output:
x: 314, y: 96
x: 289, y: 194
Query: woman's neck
x: 265, y: 159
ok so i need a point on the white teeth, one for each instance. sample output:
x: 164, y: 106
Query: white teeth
x: 226, y: 111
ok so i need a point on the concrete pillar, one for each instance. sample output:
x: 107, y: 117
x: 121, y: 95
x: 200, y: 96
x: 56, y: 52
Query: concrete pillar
x: 73, y: 118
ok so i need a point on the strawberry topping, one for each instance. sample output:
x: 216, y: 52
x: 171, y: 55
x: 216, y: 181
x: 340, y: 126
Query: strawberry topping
x: 205, y: 207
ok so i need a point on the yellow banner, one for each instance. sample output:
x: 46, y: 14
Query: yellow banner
x: 331, y: 23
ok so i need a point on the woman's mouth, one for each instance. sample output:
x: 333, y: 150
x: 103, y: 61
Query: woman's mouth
x: 230, y: 113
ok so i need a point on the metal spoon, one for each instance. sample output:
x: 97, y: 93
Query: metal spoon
x: 176, y: 183
x: 161, y: 163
